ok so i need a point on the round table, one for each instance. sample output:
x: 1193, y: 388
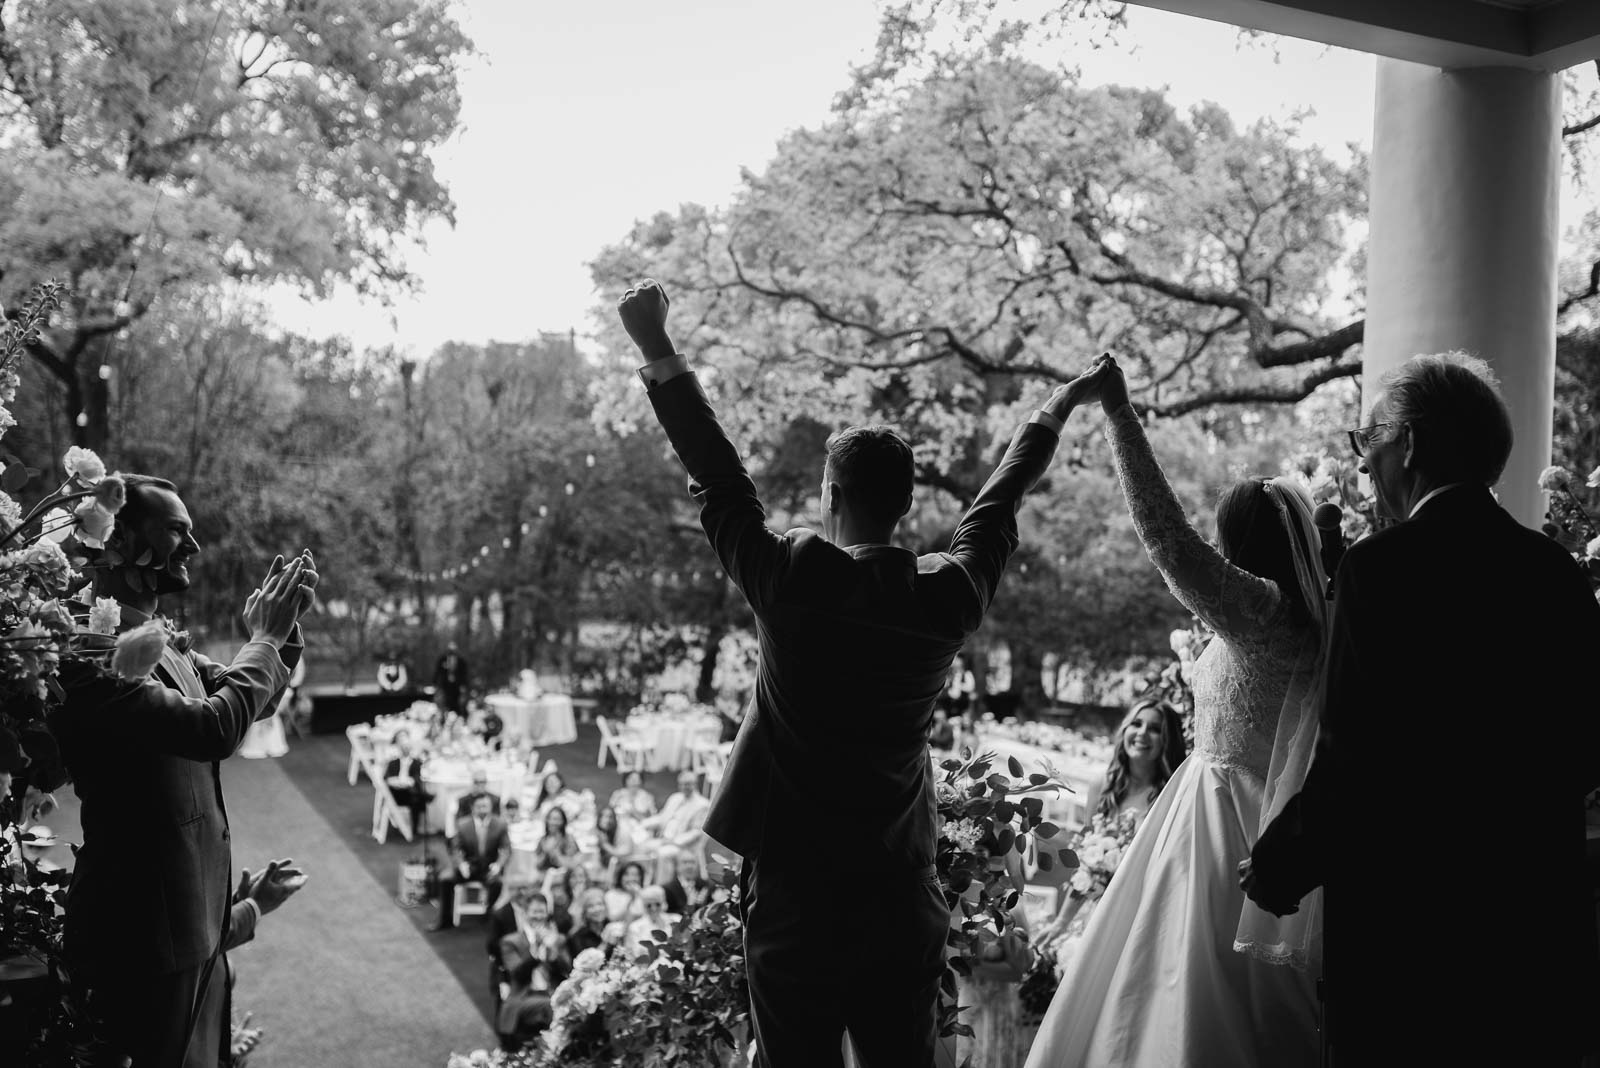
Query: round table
x: 450, y: 778
x: 543, y: 720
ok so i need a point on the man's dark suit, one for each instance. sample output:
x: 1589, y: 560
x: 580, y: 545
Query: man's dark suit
x: 466, y: 849
x: 679, y: 896
x: 831, y: 763
x: 1444, y: 809
x: 464, y: 806
x: 148, y: 909
x: 413, y: 798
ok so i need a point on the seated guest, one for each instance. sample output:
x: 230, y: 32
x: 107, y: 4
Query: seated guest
x: 404, y: 776
x: 590, y: 931
x: 631, y: 800
x: 507, y: 920
x: 535, y: 962
x: 656, y: 918
x: 685, y: 887
x: 480, y: 851
x: 555, y: 792
x: 557, y: 848
x: 622, y: 900
x: 572, y: 883
x: 616, y: 844
x: 480, y: 788
x: 512, y: 810
x: 680, y: 819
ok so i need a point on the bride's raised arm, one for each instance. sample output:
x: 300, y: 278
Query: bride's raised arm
x: 1229, y: 599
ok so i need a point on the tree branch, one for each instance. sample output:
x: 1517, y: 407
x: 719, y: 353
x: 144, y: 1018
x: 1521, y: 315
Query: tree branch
x: 1260, y: 394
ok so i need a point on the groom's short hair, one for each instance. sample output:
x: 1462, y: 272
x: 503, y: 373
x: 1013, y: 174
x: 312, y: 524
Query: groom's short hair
x: 873, y: 467
x: 1462, y: 428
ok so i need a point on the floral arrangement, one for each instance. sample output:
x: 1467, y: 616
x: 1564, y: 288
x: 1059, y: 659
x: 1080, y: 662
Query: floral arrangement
x: 985, y: 815
x: 40, y: 554
x: 1569, y: 522
x: 1100, y: 846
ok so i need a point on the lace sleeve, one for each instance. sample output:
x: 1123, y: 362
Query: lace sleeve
x: 1230, y: 600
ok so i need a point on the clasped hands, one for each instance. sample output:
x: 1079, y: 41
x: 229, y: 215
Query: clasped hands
x: 286, y: 594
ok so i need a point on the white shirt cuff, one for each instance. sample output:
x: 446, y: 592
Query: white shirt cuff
x: 1048, y: 421
x: 254, y: 907
x: 659, y: 372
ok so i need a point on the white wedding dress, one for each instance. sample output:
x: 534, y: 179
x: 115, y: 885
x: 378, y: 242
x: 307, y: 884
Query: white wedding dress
x: 1156, y: 980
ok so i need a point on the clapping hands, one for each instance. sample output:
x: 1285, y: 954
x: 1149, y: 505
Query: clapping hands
x: 287, y: 593
x: 280, y: 881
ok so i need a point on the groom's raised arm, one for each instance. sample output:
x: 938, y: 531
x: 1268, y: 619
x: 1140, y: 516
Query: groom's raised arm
x: 987, y: 534
x: 730, y: 510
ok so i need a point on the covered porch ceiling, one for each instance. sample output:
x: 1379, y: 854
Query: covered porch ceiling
x: 1547, y: 35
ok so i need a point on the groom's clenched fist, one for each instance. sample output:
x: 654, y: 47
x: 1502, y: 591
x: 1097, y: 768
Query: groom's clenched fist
x: 643, y: 311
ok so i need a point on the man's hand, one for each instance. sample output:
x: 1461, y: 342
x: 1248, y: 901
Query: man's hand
x: 1113, y: 386
x: 643, y: 311
x: 271, y: 611
x: 1251, y: 885
x: 1081, y: 389
x: 308, y: 582
x: 464, y: 871
x: 277, y: 884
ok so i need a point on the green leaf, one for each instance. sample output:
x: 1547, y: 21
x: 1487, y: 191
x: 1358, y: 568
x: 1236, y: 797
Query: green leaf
x: 14, y: 477
x: 1033, y: 806
x: 1047, y: 830
x: 978, y: 770
x: 1068, y: 857
x: 1046, y: 862
x: 1015, y: 766
x: 1037, y: 779
x: 1004, y: 839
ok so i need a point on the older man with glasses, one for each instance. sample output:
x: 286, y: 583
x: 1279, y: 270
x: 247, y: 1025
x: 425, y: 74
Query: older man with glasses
x: 1448, y: 625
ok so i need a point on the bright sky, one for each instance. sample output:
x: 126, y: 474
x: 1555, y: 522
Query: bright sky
x: 580, y: 118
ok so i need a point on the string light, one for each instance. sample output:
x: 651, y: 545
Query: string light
x: 571, y: 489
x: 588, y: 461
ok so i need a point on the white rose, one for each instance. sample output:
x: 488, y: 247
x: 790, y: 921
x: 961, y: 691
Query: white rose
x: 47, y: 557
x: 1553, y: 478
x: 1594, y: 479
x: 10, y: 511
x: 94, y: 523
x: 1082, y: 881
x: 139, y: 650
x: 105, y: 616
x: 1593, y: 549
x: 85, y: 464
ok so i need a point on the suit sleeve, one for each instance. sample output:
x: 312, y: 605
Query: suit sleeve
x: 146, y: 716
x: 242, y: 920
x: 212, y: 673
x: 987, y: 534
x: 730, y: 510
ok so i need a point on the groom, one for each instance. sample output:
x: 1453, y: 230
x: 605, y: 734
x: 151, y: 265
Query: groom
x: 856, y: 640
x: 1444, y: 810
x: 150, y: 907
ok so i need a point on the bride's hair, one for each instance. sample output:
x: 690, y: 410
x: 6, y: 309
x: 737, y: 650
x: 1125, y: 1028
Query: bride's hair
x: 1115, y: 789
x: 1251, y: 535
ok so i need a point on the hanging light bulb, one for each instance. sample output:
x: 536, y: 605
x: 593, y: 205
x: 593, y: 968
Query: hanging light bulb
x: 544, y: 511
x: 105, y: 372
x: 588, y: 461
x: 83, y: 419
x: 505, y: 543
x: 571, y: 489
x: 526, y: 528
x: 483, y: 550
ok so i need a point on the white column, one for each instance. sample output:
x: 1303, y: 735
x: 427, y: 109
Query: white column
x: 1463, y: 246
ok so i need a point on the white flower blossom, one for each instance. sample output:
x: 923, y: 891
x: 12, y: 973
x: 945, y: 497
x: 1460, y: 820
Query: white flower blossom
x: 105, y: 616
x: 46, y: 556
x: 1553, y: 478
x: 588, y: 962
x: 139, y: 650
x: 1594, y: 479
x: 94, y: 523
x: 85, y: 464
x: 1593, y: 549
x: 1082, y: 881
x: 10, y: 511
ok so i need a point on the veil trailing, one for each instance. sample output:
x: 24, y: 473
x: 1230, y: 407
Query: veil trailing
x: 1295, y: 939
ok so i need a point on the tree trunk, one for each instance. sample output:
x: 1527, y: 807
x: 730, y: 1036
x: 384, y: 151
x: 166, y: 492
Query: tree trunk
x: 1027, y: 669
x: 704, y: 691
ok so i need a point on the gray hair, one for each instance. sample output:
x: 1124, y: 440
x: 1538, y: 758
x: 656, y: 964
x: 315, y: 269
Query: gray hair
x: 1465, y: 428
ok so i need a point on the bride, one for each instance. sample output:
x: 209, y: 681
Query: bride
x: 1175, y: 966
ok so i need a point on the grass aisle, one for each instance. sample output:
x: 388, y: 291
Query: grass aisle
x: 341, y: 975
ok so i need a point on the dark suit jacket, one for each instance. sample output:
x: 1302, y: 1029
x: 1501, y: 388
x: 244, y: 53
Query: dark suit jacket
x: 855, y: 647
x: 465, y: 847
x: 526, y: 1010
x: 1444, y: 809
x: 678, y: 894
x: 153, y: 881
x: 411, y: 767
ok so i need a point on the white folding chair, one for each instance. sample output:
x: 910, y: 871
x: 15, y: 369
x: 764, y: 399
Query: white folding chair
x: 471, y: 899
x: 627, y: 749
x: 386, y: 812
x: 705, y: 748
x: 361, y: 751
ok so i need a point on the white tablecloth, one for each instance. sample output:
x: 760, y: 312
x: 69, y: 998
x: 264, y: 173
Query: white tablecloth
x: 449, y: 779
x: 669, y: 737
x: 543, y: 720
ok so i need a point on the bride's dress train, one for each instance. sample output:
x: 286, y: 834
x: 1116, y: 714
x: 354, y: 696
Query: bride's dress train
x: 1156, y: 980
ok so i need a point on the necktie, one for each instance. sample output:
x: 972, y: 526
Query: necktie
x: 483, y: 843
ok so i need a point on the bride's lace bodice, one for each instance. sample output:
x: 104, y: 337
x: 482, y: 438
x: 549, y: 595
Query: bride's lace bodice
x: 1240, y: 681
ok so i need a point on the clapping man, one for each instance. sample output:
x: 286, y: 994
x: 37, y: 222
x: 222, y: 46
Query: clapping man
x: 480, y: 851
x: 679, y: 823
x: 149, y: 907
x: 856, y: 636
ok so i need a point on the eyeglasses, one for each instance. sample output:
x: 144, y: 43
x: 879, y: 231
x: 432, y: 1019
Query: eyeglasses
x: 1361, y: 438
